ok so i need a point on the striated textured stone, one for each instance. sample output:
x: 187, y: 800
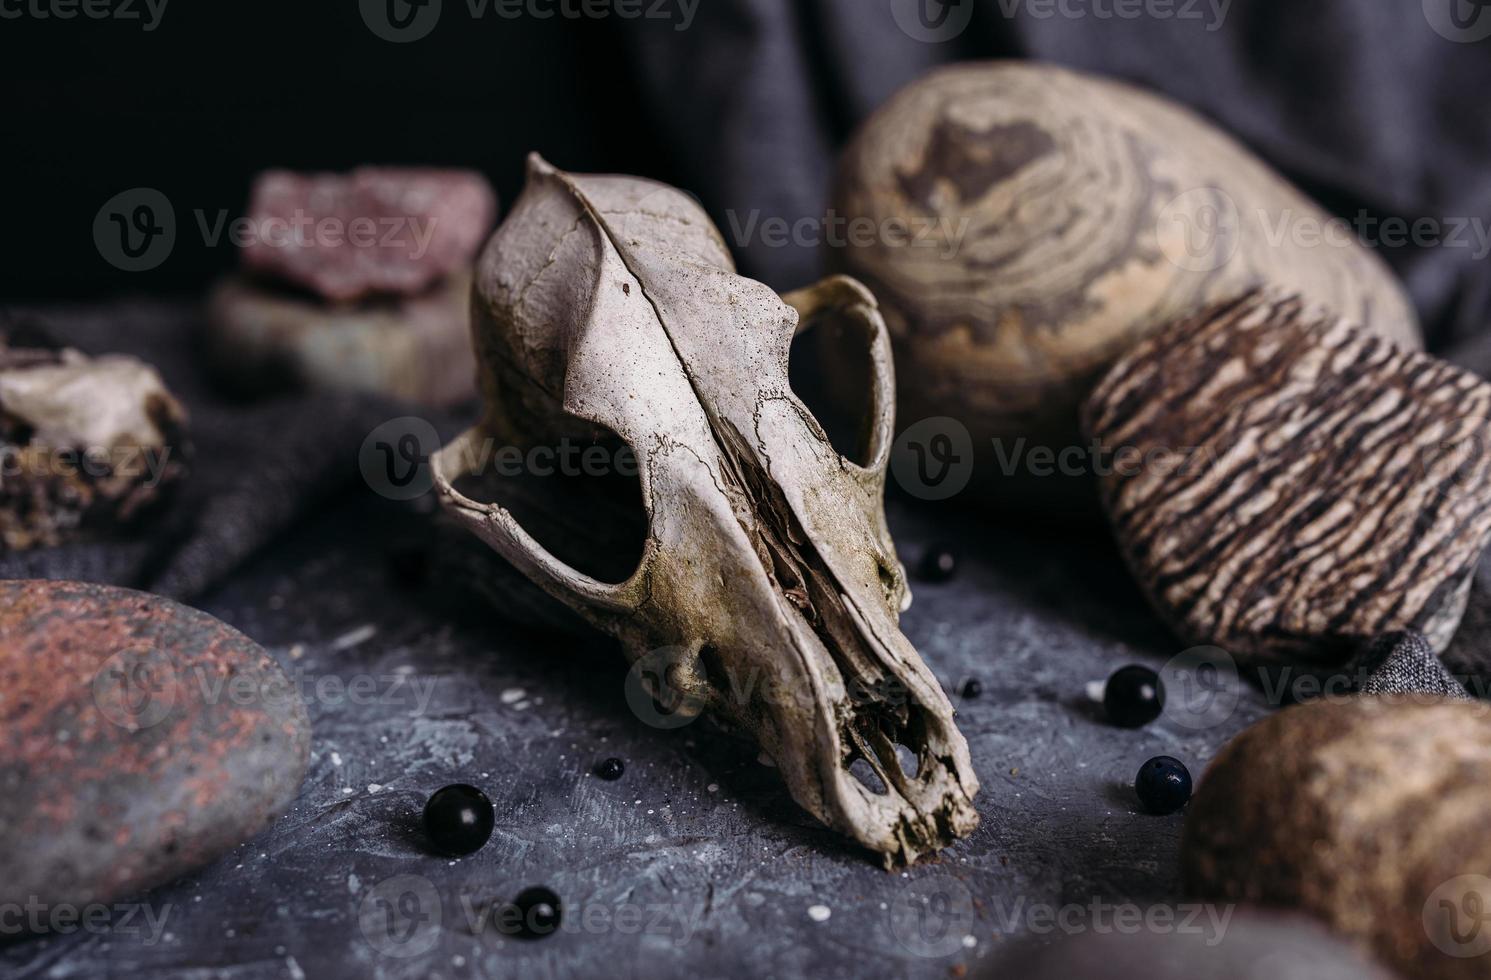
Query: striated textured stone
x: 1287, y: 487
x: 417, y: 349
x: 139, y: 739
x: 387, y: 230
x: 1222, y: 942
x: 87, y: 445
x: 1371, y: 813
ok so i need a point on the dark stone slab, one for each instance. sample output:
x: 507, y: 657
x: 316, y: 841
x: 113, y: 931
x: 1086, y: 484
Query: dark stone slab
x: 696, y: 862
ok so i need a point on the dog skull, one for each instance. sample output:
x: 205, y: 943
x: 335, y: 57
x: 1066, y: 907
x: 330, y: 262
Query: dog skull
x: 768, y: 582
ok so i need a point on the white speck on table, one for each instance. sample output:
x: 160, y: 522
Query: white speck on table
x: 353, y: 638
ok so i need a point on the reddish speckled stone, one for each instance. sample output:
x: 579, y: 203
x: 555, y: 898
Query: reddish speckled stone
x: 376, y: 230
x: 139, y: 739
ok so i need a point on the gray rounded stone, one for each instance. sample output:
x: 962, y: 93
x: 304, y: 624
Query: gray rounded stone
x: 139, y: 739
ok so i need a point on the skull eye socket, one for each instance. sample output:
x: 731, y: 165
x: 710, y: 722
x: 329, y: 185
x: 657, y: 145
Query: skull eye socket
x: 579, y: 495
x: 833, y: 372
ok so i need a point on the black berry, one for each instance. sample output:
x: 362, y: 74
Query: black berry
x: 610, y: 769
x: 1133, y: 697
x: 971, y: 688
x: 1163, y: 785
x: 937, y: 565
x: 458, y: 819
x: 533, y: 914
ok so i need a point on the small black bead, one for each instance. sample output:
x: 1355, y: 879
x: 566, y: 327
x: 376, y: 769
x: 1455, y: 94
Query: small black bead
x: 458, y: 819
x: 938, y: 564
x: 535, y: 913
x: 610, y: 769
x: 971, y: 688
x: 1163, y: 785
x: 1133, y: 697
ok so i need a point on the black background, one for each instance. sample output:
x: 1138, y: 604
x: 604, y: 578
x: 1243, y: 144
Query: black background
x: 1362, y: 104
x: 221, y: 90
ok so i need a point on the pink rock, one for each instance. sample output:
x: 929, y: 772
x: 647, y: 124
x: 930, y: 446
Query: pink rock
x: 376, y: 230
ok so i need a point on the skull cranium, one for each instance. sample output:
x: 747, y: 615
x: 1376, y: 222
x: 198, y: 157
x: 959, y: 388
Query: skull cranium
x: 613, y: 302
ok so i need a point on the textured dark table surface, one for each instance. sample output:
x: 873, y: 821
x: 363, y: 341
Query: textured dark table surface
x: 695, y: 863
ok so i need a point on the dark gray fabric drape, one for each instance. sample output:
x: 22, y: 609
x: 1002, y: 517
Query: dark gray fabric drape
x: 1364, y: 103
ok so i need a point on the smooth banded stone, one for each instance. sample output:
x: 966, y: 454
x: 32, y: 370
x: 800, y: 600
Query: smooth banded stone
x: 1023, y: 225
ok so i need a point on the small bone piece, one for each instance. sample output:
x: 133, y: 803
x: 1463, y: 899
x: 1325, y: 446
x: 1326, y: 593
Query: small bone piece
x: 88, y: 444
x: 768, y: 583
x: 1371, y: 813
x: 1286, y: 487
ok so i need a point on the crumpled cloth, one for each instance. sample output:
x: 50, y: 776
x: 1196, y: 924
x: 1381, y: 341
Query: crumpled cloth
x: 255, y: 469
x: 1404, y: 663
x: 259, y: 467
x: 1365, y: 105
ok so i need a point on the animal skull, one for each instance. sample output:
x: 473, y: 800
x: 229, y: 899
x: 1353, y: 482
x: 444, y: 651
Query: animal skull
x: 768, y: 565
